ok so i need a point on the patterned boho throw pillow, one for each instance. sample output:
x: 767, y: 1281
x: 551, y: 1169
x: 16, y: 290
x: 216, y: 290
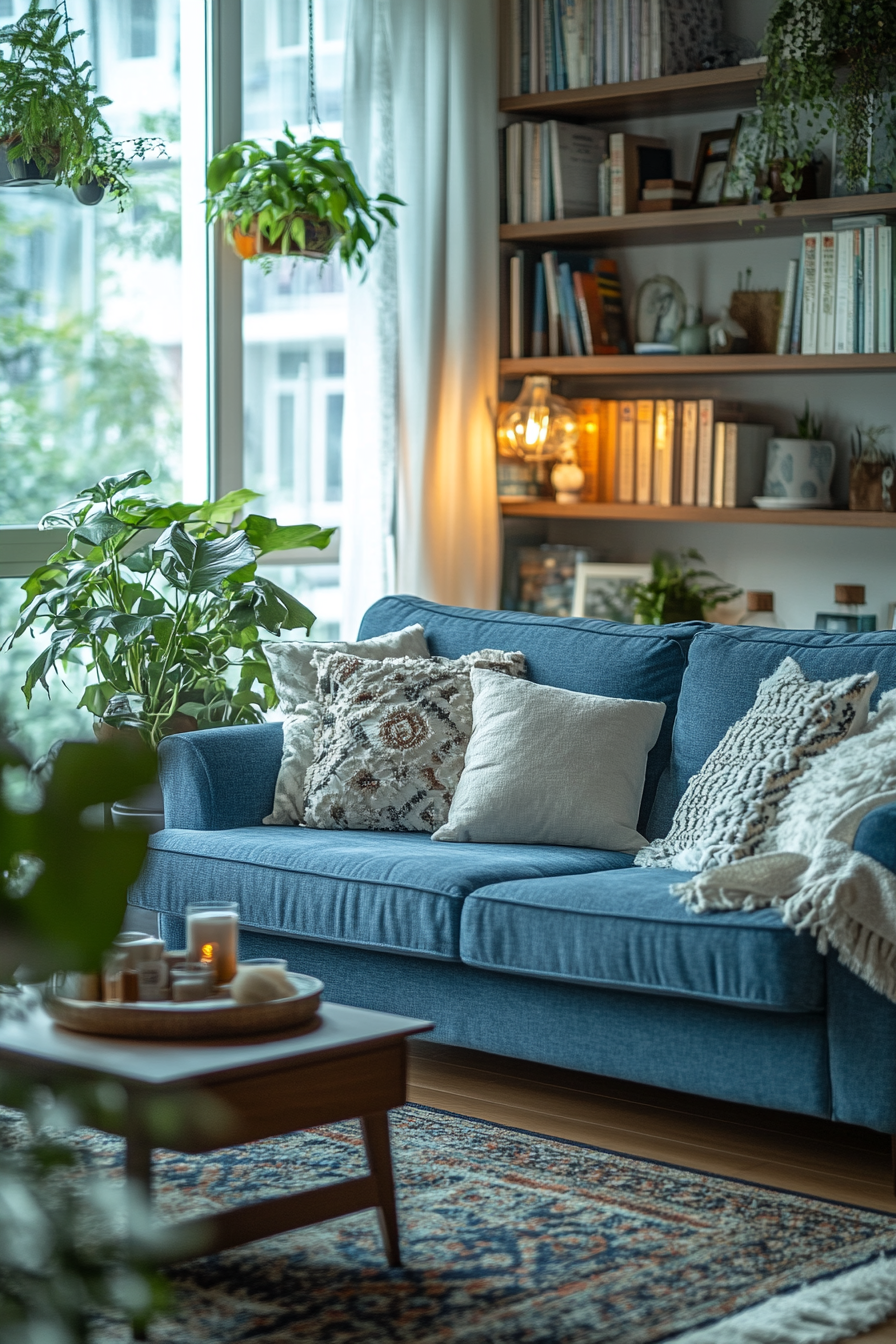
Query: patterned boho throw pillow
x: 392, y: 739
x: 732, y: 801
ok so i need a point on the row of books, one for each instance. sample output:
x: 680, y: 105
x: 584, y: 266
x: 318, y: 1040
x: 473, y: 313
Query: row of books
x: 839, y: 294
x: 557, y: 170
x: 663, y: 452
x: 565, y: 303
x: 572, y: 44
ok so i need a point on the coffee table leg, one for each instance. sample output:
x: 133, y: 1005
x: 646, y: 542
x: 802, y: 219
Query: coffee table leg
x: 375, y: 1129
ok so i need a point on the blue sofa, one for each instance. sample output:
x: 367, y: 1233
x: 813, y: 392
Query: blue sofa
x: 566, y: 956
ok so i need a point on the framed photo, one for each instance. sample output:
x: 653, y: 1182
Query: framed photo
x: 711, y: 166
x: 749, y: 147
x: 601, y: 590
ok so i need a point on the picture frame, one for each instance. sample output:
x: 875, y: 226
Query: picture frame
x: 749, y: 146
x: 599, y: 591
x: 711, y: 166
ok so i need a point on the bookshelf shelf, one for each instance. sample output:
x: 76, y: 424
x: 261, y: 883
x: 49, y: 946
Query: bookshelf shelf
x: 700, y: 91
x: 684, y: 513
x: 714, y: 224
x: 633, y: 366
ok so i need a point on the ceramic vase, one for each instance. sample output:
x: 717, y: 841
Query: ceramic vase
x: 799, y: 469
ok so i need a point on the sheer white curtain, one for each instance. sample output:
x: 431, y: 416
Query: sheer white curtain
x: 420, y: 502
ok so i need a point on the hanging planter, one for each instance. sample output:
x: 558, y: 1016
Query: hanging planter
x: 319, y: 240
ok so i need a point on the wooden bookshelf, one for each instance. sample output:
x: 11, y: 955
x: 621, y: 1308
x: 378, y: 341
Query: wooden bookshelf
x: 512, y: 507
x: 710, y: 224
x: 638, y: 366
x: 699, y: 91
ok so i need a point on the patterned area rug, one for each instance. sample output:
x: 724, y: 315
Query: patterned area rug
x: 506, y: 1236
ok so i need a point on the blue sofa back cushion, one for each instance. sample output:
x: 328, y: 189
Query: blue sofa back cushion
x: 725, y: 666
x: 634, y: 662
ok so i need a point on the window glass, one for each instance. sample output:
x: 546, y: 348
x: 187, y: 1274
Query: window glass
x: 294, y: 318
x: 90, y: 306
x: 50, y: 716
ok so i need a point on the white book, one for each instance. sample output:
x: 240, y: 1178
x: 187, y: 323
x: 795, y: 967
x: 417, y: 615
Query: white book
x: 536, y: 213
x: 625, y: 41
x: 688, y: 480
x: 515, y: 49
x: 552, y: 294
x: 656, y: 39
x: 513, y: 153
x: 718, y: 465
x: 599, y: 33
x: 869, y: 291
x: 516, y: 307
x: 536, y: 49
x: 703, y: 472
x: 783, y: 343
x: 645, y: 39
x: 885, y: 289
x: 529, y: 130
x: 576, y: 155
x: 634, y: 28
x: 665, y: 452
x: 611, y: 49
x: 845, y: 295
x: 827, y: 294
x: 644, y: 452
x: 809, y: 328
x: 625, y: 457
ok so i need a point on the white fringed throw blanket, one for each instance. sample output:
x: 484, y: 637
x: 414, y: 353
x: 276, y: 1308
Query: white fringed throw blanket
x: 806, y: 866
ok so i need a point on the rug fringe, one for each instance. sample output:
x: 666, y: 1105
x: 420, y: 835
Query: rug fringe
x: 821, y: 1313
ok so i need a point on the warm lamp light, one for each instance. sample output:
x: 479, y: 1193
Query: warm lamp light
x: 537, y: 427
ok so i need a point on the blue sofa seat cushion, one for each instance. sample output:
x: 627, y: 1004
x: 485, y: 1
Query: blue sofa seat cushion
x: 625, y: 930
x: 395, y: 891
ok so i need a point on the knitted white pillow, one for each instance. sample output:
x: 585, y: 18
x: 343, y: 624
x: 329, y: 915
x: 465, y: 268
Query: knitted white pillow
x: 732, y: 801
x: 295, y: 681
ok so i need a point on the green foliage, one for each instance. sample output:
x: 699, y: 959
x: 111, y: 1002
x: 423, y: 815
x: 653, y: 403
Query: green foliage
x: 677, y: 591
x: 294, y: 183
x: 167, y: 602
x: 50, y: 111
x: 806, y: 94
x: 807, y: 427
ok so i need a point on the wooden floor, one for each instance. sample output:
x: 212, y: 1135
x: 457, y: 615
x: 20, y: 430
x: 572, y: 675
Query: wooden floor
x: 798, y: 1153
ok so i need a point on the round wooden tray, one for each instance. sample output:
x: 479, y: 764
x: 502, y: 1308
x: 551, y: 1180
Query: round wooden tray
x: 188, y: 1021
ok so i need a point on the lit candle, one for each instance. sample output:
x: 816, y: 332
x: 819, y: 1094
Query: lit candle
x: 212, y: 930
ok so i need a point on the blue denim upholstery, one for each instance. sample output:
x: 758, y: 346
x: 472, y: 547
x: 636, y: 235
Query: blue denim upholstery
x: 624, y: 930
x: 725, y: 666
x: 876, y: 836
x: 634, y: 662
x: 394, y: 891
x: 213, y: 781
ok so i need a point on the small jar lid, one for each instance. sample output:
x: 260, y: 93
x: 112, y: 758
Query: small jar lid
x: 850, y: 594
x: 760, y: 601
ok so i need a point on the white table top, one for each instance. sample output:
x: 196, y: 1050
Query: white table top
x: 35, y: 1040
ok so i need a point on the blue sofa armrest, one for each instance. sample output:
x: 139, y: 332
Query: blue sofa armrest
x: 220, y: 778
x: 876, y: 836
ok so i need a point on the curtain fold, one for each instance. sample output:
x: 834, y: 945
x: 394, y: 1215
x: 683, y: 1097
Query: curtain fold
x: 421, y: 371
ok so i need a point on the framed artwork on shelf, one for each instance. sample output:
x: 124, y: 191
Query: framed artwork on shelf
x: 711, y: 166
x: 602, y: 591
x: 749, y: 147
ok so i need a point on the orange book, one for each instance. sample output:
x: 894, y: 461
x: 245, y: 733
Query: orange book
x: 588, y: 446
x: 608, y: 431
x: 590, y: 306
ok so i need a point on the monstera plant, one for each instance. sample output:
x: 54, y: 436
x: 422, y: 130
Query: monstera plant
x: 166, y: 602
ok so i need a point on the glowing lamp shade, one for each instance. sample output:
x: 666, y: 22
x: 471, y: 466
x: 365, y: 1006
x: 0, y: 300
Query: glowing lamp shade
x: 537, y: 427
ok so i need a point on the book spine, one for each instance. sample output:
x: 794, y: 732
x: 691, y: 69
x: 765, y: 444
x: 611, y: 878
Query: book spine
x: 617, y: 173
x: 718, y: 466
x: 656, y: 39
x: 536, y: 31
x: 571, y: 321
x: 662, y: 453
x: 797, y: 327
x: 548, y: 196
x: 560, y: 79
x: 809, y: 336
x: 607, y: 445
x: 869, y: 290
x: 842, y: 345
x: 625, y: 43
x: 528, y: 173
x: 553, y: 302
x: 599, y: 26
x: 645, y: 39
x: 858, y: 328
x: 786, y: 322
x: 634, y: 28
x: 516, y: 49
x: 688, y: 479
x: 516, y: 305
x: 547, y: 29
x: 885, y: 289
x: 584, y: 315
x: 612, y: 41
x: 552, y: 145
x: 827, y: 296
x: 703, y: 490
x: 513, y: 156
x: 588, y: 446
x: 625, y: 481
x: 539, y: 313
x: 676, y: 409
x: 730, y: 467
x: 644, y: 453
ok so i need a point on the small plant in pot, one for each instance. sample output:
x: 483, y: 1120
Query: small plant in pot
x: 677, y: 591
x: 297, y: 198
x: 799, y: 470
x: 51, y: 121
x: 167, y: 605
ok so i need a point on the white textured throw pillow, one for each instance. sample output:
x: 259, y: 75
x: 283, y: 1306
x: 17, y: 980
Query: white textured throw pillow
x: 552, y: 767
x: 392, y: 738
x: 295, y: 681
x: 732, y: 801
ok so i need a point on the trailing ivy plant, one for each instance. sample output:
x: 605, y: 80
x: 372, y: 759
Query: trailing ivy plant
x: 50, y: 111
x: 286, y: 192
x: 831, y: 66
x: 167, y: 603
x: 677, y: 591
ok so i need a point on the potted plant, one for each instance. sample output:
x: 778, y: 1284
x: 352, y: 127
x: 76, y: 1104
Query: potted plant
x: 299, y: 198
x: 678, y: 592
x: 830, y: 66
x: 166, y: 603
x: 51, y: 122
x: 800, y: 469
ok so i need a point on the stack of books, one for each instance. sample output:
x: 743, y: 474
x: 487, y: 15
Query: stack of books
x: 838, y: 298
x: 556, y: 170
x: 571, y: 44
x: 663, y: 452
x: 564, y: 303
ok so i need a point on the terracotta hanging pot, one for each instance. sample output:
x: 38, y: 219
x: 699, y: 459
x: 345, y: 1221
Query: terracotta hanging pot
x: 320, y: 239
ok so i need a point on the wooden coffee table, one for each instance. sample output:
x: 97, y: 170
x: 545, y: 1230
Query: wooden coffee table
x: 348, y: 1063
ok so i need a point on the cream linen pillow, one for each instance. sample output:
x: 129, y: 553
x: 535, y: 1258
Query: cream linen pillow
x: 295, y: 681
x: 552, y: 767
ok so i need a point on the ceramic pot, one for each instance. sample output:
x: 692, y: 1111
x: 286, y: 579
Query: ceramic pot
x: 799, y: 469
x: 145, y: 811
x: 693, y: 339
x: 89, y: 192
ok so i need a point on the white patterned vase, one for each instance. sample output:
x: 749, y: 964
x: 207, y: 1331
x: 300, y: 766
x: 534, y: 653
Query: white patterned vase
x: 799, y: 469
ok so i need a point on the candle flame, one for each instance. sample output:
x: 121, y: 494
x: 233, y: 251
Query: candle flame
x: 208, y: 951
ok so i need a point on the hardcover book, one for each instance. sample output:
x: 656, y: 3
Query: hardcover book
x: 644, y: 453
